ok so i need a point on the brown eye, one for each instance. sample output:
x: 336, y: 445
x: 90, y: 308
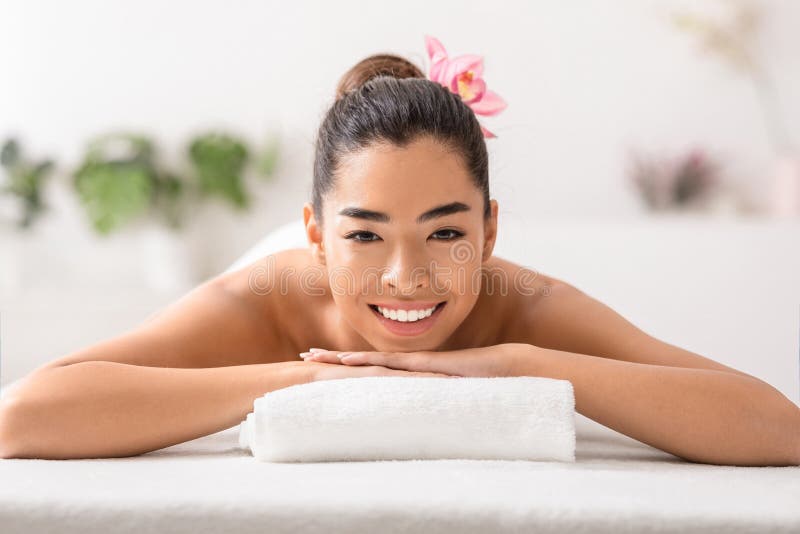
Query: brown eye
x: 453, y: 234
x: 358, y: 236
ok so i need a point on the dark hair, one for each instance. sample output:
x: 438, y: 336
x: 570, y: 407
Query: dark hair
x: 385, y: 98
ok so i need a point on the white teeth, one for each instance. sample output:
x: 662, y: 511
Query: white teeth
x: 406, y: 316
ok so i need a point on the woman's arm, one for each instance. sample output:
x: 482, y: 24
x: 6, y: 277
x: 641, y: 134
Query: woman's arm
x: 99, y: 409
x: 700, y: 415
x: 190, y: 370
x: 656, y: 392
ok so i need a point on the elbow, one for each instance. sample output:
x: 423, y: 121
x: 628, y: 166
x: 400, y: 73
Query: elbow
x: 786, y: 452
x: 777, y: 431
x: 771, y: 438
x: 791, y: 442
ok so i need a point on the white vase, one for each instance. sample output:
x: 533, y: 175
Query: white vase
x: 25, y: 258
x: 12, y: 260
x: 784, y: 198
x: 167, y: 261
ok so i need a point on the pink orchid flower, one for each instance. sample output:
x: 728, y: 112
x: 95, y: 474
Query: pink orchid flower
x: 463, y: 76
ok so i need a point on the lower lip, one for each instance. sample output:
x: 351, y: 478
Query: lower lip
x: 414, y: 328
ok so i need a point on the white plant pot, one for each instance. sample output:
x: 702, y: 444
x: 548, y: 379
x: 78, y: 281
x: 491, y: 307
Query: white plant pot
x: 12, y: 260
x: 167, y: 261
x: 24, y: 258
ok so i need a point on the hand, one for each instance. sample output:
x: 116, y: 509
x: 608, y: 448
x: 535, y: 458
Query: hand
x: 327, y: 371
x: 506, y: 359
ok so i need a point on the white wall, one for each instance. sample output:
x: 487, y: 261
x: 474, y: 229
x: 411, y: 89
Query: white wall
x: 585, y: 81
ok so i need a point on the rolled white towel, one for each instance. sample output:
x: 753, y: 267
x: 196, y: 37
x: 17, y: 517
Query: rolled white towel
x: 406, y: 418
x: 244, y: 431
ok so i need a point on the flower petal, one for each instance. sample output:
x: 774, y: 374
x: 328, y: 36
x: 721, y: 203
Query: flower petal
x: 472, y: 91
x: 461, y: 64
x: 435, y: 48
x: 438, y: 58
x: 471, y: 62
x: 436, y: 72
x: 490, y: 104
x: 487, y: 133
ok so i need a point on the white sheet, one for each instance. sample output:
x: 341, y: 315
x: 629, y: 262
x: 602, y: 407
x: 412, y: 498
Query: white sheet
x: 210, y: 485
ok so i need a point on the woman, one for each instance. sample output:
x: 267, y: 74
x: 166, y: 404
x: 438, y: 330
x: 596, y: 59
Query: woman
x: 400, y: 274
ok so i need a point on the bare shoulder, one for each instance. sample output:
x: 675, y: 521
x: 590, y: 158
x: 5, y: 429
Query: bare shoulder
x: 281, y: 289
x: 277, y: 280
x: 562, y: 317
x: 261, y: 283
x: 508, y: 278
x: 509, y: 293
x: 553, y: 313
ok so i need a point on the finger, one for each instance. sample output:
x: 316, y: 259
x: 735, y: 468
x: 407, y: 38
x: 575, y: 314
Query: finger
x: 322, y: 352
x: 326, y: 356
x: 393, y: 360
x: 424, y: 361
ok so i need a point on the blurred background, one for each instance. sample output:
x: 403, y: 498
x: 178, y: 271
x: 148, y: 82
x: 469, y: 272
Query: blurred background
x: 649, y: 154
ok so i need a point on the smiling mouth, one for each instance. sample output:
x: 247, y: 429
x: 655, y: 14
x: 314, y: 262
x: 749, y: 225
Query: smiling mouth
x: 409, y: 328
x: 435, y: 311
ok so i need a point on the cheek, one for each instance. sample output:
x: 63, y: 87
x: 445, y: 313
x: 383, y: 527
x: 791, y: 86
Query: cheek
x: 353, y: 309
x: 349, y: 277
x: 457, y: 277
x: 460, y: 252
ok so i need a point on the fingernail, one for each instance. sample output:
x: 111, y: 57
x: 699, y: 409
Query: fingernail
x: 305, y: 354
x: 315, y: 349
x: 343, y: 354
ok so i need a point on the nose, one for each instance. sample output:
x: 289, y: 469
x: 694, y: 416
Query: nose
x: 407, y: 272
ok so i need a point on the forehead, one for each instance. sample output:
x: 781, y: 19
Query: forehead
x: 402, y: 180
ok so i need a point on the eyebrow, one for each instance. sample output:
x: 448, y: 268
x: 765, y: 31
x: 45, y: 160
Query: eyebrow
x: 433, y: 213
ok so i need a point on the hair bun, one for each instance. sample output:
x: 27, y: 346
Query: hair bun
x: 374, y: 66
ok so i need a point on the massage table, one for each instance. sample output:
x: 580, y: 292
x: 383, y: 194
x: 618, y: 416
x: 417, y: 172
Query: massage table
x: 210, y: 484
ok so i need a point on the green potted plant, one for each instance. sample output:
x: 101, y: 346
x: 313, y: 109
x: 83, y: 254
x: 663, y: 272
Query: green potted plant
x: 22, y: 185
x: 269, y: 157
x: 122, y: 185
x: 25, y: 180
x: 120, y: 180
x: 218, y: 161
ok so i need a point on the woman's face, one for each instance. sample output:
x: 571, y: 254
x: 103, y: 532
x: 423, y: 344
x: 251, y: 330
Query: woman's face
x: 403, y: 230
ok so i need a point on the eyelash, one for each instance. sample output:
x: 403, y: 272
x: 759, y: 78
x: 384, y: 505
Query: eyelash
x: 352, y: 235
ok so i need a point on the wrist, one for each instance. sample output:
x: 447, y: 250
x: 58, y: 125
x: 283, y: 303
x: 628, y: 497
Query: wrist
x: 527, y: 360
x: 292, y: 373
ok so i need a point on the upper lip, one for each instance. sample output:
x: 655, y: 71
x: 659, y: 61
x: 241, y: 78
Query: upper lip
x: 407, y: 305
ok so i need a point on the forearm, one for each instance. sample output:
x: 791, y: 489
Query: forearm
x: 107, y: 409
x: 697, y: 414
